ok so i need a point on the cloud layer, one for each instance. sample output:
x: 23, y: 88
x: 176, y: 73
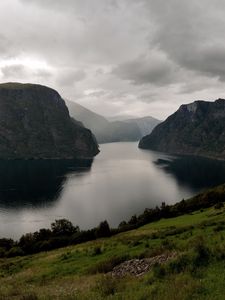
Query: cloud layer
x: 117, y: 56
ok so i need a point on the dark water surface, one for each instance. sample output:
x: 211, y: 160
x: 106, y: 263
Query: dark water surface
x: 121, y: 181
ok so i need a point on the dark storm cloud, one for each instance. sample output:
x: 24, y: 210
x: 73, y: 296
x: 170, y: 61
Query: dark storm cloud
x: 191, y: 33
x: 7, y: 47
x: 70, y: 77
x: 117, y: 56
x: 153, y: 68
x: 45, y: 74
x: 69, y: 5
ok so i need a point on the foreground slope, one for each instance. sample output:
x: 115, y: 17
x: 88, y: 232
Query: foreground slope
x: 35, y: 123
x: 197, y: 129
x: 105, y: 131
x: 196, y: 270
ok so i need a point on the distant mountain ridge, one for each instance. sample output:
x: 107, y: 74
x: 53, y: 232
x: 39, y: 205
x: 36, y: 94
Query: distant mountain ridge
x: 197, y: 128
x: 106, y: 131
x: 145, y: 124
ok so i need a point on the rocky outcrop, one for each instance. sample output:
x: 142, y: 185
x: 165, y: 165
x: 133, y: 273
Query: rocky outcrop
x: 138, y: 267
x: 35, y: 123
x: 195, y: 129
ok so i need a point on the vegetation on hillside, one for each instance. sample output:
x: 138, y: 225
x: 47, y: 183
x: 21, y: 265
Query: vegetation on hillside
x: 64, y: 233
x: 84, y: 271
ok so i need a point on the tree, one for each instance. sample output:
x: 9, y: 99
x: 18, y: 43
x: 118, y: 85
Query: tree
x: 133, y: 220
x: 103, y: 230
x: 63, y: 227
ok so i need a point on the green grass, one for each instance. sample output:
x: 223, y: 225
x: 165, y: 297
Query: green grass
x: 73, y: 272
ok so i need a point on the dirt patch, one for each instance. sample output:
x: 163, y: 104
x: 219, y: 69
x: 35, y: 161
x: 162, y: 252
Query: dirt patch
x: 138, y: 267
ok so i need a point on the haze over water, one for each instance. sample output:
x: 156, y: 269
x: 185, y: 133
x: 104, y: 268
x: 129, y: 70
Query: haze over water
x: 121, y: 181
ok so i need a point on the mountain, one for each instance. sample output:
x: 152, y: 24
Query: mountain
x: 120, y: 118
x: 35, y: 123
x: 105, y: 131
x: 145, y: 124
x: 89, y: 119
x: 197, y: 128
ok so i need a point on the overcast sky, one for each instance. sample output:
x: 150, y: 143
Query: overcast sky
x: 128, y: 57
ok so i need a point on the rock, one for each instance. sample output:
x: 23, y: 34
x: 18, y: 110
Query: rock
x: 35, y: 124
x: 138, y: 267
x: 195, y: 129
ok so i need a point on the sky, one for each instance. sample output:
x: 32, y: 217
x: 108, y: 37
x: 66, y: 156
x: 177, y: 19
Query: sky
x: 117, y: 57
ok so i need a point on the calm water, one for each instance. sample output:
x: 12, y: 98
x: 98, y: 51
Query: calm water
x: 121, y: 181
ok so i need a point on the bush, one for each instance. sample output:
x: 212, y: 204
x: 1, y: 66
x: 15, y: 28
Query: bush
x: 107, y: 285
x: 219, y: 205
x: 43, y: 246
x: 65, y: 256
x: 6, y: 243
x: 201, y: 252
x: 27, y: 242
x: 103, y: 230
x: 63, y: 227
x: 96, y: 251
x: 15, y: 251
x: 159, y: 271
x: 2, y: 252
x: 107, y: 265
x: 168, y: 244
x: 31, y: 296
x: 179, y: 265
x: 218, y: 228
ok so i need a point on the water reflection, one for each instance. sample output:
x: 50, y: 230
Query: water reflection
x: 34, y: 183
x: 122, y: 181
x: 195, y: 172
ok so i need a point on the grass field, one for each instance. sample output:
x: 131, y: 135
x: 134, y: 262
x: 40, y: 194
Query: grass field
x: 80, y: 272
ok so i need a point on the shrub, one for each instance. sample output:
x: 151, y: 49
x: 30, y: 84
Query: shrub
x: 167, y: 244
x: 159, y: 271
x: 65, y: 256
x: 15, y: 251
x: 201, y: 252
x: 2, y: 252
x: 44, y: 246
x: 27, y: 242
x: 63, y: 227
x: 179, y: 265
x: 103, y: 230
x: 218, y: 228
x: 96, y: 251
x: 6, y: 243
x: 218, y: 205
x: 108, y: 264
x: 31, y: 296
x: 107, y: 285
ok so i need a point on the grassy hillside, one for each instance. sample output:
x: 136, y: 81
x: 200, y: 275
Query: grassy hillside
x: 83, y: 271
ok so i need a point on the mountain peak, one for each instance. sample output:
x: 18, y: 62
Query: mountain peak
x: 35, y: 123
x: 197, y: 128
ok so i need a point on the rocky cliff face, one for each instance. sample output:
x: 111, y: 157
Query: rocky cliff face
x: 197, y: 129
x: 35, y: 123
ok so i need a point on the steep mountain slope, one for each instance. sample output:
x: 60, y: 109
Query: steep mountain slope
x: 197, y: 129
x: 105, y: 131
x: 145, y: 124
x: 35, y: 123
